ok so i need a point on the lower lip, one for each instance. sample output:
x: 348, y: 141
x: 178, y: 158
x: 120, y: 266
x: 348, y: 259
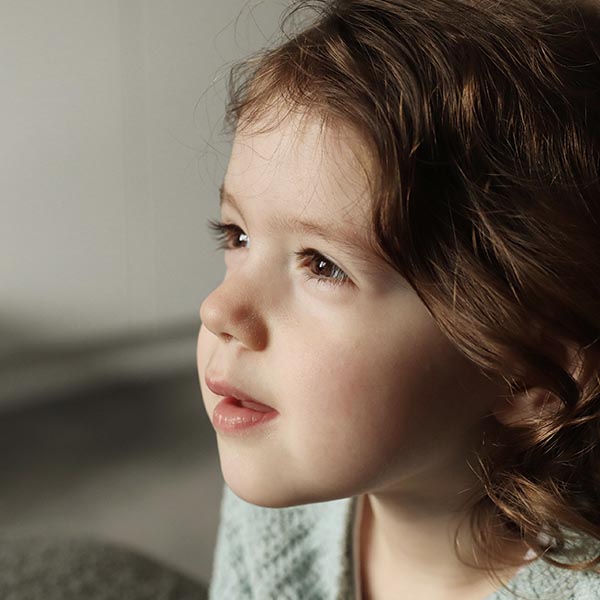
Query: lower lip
x: 229, y: 417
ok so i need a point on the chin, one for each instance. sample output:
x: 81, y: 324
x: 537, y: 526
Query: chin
x: 264, y: 490
x: 259, y: 494
x: 272, y: 492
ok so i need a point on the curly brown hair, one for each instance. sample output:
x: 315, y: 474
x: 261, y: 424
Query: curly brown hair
x: 482, y: 118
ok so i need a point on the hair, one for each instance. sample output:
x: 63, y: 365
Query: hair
x: 482, y: 118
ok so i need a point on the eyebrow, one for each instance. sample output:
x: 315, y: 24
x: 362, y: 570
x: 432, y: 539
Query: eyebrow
x: 348, y: 240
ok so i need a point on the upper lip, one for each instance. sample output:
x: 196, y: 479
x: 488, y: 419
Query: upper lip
x: 222, y: 388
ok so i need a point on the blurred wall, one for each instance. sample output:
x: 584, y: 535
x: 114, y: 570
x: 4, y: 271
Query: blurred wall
x: 111, y: 156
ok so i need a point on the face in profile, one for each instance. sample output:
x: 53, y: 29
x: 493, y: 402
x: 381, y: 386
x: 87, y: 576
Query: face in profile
x: 369, y: 394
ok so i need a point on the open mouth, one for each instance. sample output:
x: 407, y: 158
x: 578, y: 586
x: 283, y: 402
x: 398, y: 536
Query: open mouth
x: 253, y: 405
x: 236, y: 397
x: 232, y: 415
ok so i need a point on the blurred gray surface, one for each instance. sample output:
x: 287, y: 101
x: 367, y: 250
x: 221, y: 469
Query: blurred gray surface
x: 134, y: 463
x: 63, y: 568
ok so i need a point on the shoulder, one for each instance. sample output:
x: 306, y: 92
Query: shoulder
x: 577, y: 585
x: 587, y: 586
x: 546, y: 581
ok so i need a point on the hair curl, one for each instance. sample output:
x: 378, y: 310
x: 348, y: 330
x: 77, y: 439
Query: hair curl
x: 483, y: 120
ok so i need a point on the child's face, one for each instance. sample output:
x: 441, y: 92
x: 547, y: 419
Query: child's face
x: 370, y: 394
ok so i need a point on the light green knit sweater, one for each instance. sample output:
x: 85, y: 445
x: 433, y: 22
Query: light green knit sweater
x: 305, y: 553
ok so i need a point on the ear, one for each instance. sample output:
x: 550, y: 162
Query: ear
x: 535, y: 403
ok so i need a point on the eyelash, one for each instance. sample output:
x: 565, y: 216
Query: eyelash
x: 224, y: 233
x: 228, y: 234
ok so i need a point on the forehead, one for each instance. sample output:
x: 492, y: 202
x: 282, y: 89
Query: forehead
x: 314, y: 169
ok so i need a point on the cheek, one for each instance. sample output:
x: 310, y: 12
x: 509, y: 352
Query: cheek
x: 345, y: 403
x: 354, y: 377
x: 350, y: 425
x: 361, y: 397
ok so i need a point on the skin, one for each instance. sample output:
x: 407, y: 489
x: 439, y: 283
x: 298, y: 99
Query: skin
x: 372, y: 398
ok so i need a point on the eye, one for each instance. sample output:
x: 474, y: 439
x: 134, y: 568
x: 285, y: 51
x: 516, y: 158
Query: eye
x: 322, y: 269
x: 228, y: 235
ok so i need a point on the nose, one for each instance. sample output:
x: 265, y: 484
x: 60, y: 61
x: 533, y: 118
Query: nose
x: 233, y: 312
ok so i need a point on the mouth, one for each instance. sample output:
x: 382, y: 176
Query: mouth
x: 253, y: 405
x: 239, y: 398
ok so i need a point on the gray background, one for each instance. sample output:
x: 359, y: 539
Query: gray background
x: 111, y: 158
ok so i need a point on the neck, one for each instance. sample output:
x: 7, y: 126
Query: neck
x: 409, y: 549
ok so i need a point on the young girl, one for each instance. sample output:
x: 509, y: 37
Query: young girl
x: 402, y: 361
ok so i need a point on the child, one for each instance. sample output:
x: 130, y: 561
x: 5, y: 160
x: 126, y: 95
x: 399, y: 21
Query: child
x: 401, y: 363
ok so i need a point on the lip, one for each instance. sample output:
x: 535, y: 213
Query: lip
x: 230, y: 417
x: 222, y: 388
x: 237, y: 412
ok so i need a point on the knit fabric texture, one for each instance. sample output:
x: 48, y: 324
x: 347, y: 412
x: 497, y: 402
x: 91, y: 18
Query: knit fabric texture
x: 52, y: 567
x: 305, y: 553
